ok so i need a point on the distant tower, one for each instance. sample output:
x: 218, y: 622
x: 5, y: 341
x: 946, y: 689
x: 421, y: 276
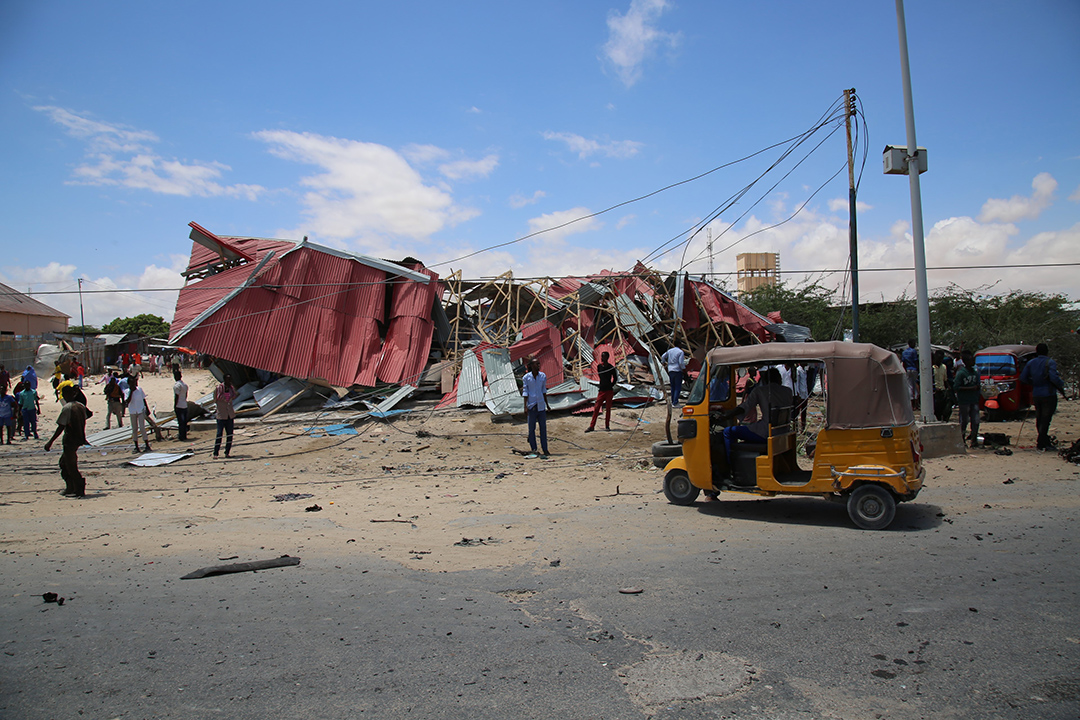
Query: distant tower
x: 756, y: 269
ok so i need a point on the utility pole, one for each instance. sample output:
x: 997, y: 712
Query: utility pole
x: 853, y: 234
x: 708, y: 234
x: 82, y: 321
x: 922, y: 297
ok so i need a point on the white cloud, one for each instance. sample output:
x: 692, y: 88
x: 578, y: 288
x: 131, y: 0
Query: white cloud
x: 120, y: 156
x: 1019, y: 207
x: 364, y: 191
x: 1075, y: 197
x: 625, y: 221
x: 466, y: 169
x: 841, y: 205
x: 101, y: 307
x: 519, y: 201
x: 634, y: 38
x: 814, y: 241
x: 561, y: 224
x: 584, y: 147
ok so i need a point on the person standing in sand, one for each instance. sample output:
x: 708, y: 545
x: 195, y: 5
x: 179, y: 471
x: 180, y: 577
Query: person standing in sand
x: 224, y: 395
x: 180, y: 391
x: 138, y: 409
x: 606, y: 396
x: 114, y: 397
x: 535, y: 394
x: 72, y: 423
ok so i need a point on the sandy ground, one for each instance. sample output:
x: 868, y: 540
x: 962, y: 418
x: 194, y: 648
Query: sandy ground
x: 432, y: 491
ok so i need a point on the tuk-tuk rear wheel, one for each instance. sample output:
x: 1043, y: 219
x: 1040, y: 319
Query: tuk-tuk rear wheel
x: 871, y: 507
x: 678, y: 489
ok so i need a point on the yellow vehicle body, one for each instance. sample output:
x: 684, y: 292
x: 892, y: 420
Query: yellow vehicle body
x: 885, y: 457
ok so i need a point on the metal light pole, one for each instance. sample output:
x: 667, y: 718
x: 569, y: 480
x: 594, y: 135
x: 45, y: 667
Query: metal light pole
x: 926, y: 382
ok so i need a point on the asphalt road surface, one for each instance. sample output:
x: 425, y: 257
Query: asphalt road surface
x: 966, y: 608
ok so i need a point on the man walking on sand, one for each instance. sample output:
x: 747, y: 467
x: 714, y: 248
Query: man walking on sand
x: 72, y: 423
x: 606, y: 396
x: 1042, y: 375
x: 29, y: 407
x: 966, y: 385
x: 138, y: 409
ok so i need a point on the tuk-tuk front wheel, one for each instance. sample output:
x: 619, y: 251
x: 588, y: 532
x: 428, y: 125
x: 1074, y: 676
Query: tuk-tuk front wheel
x: 678, y: 489
x: 871, y: 507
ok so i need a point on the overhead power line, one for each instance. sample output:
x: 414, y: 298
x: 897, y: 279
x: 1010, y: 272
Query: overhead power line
x: 523, y: 278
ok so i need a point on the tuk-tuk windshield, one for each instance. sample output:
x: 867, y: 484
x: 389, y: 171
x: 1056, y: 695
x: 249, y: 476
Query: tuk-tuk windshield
x: 697, y: 392
x: 989, y: 365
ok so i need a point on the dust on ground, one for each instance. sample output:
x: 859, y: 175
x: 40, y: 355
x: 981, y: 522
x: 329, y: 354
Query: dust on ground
x: 431, y: 490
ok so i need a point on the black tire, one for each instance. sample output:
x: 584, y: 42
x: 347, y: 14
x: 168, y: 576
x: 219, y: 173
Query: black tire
x: 660, y: 462
x: 678, y: 489
x: 871, y: 507
x: 667, y: 450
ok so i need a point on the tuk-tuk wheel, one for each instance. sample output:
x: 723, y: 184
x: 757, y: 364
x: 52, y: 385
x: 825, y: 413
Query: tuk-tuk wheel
x: 678, y: 489
x: 871, y: 507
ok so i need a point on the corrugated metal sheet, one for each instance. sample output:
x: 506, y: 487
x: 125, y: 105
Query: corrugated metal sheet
x: 721, y: 307
x: 388, y: 404
x: 541, y: 339
x: 630, y: 317
x: 470, y: 384
x: 503, y: 396
x: 310, y: 313
x: 277, y: 393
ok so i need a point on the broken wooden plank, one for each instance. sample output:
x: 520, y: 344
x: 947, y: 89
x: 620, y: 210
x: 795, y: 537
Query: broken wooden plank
x: 283, y: 561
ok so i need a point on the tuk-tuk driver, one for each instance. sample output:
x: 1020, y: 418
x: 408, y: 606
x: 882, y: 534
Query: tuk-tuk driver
x: 755, y: 410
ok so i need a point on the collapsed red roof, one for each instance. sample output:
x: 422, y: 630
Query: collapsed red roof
x: 306, y: 311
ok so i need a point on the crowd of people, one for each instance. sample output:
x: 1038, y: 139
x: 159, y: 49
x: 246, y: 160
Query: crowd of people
x: 957, y: 384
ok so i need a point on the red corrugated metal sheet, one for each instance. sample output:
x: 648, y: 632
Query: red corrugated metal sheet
x: 541, y: 340
x: 311, y: 314
x: 719, y: 307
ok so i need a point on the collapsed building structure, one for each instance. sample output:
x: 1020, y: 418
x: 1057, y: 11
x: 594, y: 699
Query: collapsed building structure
x: 343, y: 320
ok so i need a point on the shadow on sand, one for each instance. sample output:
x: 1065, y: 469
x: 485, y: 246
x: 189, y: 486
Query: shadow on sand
x: 910, y: 517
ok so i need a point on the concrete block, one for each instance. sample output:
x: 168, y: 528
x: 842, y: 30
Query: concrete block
x: 941, y: 439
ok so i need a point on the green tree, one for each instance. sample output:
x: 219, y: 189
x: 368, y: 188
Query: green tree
x: 975, y: 319
x: 810, y: 304
x: 81, y: 329
x: 146, y: 325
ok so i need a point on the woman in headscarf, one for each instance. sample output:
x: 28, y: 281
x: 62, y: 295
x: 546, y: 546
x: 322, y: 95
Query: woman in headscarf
x: 30, y: 377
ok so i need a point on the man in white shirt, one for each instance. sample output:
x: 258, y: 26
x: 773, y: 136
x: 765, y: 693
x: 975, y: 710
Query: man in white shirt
x: 180, y: 390
x: 675, y: 361
x: 534, y: 391
x: 138, y: 408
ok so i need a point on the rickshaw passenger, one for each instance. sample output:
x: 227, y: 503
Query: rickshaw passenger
x: 768, y: 394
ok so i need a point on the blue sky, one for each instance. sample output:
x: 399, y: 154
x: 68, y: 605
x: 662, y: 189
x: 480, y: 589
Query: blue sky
x: 437, y: 129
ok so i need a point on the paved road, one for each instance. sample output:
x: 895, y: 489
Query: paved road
x: 966, y: 608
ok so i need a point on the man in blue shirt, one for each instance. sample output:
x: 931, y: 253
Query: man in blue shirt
x: 910, y: 360
x: 675, y: 360
x: 535, y: 394
x: 1042, y: 375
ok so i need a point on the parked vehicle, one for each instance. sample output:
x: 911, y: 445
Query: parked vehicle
x: 867, y: 455
x: 999, y: 374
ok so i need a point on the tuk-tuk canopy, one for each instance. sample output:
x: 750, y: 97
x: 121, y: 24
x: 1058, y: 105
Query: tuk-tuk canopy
x: 867, y: 385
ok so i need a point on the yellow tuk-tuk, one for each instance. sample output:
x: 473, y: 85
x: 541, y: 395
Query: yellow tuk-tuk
x: 867, y: 454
